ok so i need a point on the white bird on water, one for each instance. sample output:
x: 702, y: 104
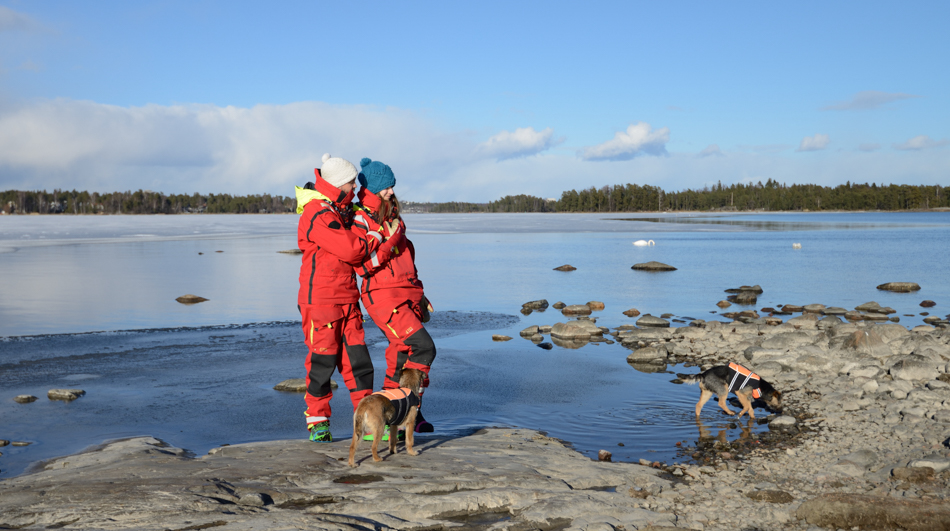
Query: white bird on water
x: 644, y: 243
x: 796, y: 246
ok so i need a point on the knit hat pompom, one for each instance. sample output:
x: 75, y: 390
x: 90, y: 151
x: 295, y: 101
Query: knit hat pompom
x: 337, y: 171
x: 376, y: 176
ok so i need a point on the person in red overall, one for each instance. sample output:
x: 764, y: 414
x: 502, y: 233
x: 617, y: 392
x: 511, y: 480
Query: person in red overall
x: 328, y: 298
x: 391, y: 290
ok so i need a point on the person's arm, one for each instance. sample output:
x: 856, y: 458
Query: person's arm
x: 327, y: 231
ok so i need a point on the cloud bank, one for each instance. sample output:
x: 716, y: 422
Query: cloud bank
x: 638, y: 139
x: 920, y: 142
x: 867, y: 100
x: 84, y: 145
x: 521, y: 142
x: 814, y: 143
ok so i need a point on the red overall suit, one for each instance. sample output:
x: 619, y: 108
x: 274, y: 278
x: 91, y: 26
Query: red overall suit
x: 392, y: 295
x: 328, y: 297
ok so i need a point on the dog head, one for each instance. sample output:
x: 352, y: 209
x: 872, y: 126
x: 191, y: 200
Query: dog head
x: 771, y: 397
x: 412, y: 380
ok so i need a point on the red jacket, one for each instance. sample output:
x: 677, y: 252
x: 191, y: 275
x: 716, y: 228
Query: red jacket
x: 397, y: 275
x: 330, y: 248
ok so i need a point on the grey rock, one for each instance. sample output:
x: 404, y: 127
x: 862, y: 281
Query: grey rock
x: 558, y: 305
x: 783, y: 422
x: 530, y: 331
x: 575, y: 330
x: 651, y: 321
x: 64, y: 394
x: 913, y: 367
x: 653, y: 266
x: 937, y: 462
x: 835, y: 310
x: 500, y: 337
x: 651, y: 354
x: 24, y: 399
x: 596, y: 305
x: 535, y: 305
x: 847, y: 511
x: 565, y: 267
x: 576, y: 309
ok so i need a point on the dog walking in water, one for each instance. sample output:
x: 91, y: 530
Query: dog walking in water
x: 723, y: 379
x: 390, y: 407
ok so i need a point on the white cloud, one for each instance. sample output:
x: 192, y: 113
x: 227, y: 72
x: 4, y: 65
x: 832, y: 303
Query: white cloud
x: 84, y: 145
x: 814, y: 143
x: 11, y: 20
x: 712, y: 150
x: 521, y: 142
x: 868, y: 99
x: 638, y: 139
x: 920, y: 142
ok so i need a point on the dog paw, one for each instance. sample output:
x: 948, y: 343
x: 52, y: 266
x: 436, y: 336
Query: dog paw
x: 412, y: 452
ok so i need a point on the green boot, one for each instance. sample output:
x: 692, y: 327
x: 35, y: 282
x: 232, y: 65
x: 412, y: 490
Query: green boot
x: 320, y: 432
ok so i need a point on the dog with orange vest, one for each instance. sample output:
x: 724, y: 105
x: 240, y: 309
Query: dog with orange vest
x: 390, y: 407
x: 734, y: 378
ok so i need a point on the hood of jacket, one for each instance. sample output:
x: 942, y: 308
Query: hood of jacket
x: 322, y: 191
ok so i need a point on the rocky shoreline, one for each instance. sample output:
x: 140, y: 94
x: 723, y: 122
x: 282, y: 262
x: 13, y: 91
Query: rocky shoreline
x: 862, y: 443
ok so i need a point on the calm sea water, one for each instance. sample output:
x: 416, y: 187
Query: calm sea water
x: 62, y: 276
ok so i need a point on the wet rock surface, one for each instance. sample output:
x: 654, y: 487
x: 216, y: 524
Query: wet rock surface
x: 517, y: 477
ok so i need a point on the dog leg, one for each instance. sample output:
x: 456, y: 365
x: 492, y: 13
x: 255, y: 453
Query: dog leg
x: 393, y: 435
x: 704, y: 397
x: 377, y: 425
x: 746, y: 406
x: 410, y: 432
x: 722, y: 403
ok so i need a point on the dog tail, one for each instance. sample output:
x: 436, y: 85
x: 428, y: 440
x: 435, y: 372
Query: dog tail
x: 690, y: 379
x: 358, y: 425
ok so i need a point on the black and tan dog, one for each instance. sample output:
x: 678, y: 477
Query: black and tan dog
x: 389, y: 407
x: 723, y: 379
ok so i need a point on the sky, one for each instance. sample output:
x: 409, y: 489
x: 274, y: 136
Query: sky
x: 471, y: 101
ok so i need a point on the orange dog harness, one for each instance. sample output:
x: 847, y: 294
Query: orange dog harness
x: 749, y: 378
x: 403, y: 399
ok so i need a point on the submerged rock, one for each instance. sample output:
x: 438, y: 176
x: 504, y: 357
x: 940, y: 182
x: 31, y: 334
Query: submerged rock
x: 653, y: 266
x: 190, y: 299
x: 902, y: 287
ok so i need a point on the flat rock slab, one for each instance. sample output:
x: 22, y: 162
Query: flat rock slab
x: 64, y: 394
x: 653, y: 266
x: 515, y: 476
x: 847, y: 511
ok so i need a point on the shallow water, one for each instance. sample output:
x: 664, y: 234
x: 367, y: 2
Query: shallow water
x: 201, y: 387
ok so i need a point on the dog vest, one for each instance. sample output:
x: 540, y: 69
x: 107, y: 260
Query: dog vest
x: 402, y: 399
x: 740, y: 377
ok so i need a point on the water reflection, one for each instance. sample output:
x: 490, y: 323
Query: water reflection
x: 764, y: 225
x: 648, y: 367
x: 706, y: 436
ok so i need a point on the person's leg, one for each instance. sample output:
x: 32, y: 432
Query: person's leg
x: 323, y: 334
x: 355, y: 364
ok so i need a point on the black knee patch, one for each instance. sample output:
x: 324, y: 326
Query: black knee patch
x: 423, y: 348
x: 362, y: 366
x: 401, y: 359
x: 321, y: 369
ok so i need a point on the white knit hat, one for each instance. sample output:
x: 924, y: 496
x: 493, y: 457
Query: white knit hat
x: 337, y: 171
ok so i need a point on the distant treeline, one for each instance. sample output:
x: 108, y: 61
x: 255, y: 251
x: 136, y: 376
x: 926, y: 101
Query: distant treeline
x: 771, y: 196
x: 140, y: 202
x: 737, y: 197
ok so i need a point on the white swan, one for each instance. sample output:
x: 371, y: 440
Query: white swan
x: 643, y: 243
x: 796, y: 246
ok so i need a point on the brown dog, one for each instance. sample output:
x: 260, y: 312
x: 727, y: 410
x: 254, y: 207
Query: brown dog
x: 745, y: 384
x: 393, y: 408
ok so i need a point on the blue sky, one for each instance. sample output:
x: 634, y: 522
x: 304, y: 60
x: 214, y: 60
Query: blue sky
x: 471, y: 101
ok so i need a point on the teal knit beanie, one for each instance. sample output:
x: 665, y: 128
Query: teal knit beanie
x: 376, y: 176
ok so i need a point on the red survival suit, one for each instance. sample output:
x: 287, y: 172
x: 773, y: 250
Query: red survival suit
x: 392, y: 294
x: 328, y: 297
